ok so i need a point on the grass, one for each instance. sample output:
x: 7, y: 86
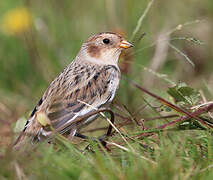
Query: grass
x: 174, y: 155
x: 177, y: 36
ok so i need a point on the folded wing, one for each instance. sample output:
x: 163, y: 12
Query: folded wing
x: 89, y: 88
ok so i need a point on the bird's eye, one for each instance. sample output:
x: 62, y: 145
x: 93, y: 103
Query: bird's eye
x: 106, y: 41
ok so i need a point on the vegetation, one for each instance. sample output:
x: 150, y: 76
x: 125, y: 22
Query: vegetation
x: 162, y: 132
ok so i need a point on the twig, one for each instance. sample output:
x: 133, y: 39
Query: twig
x: 102, y: 114
x: 177, y: 28
x: 159, y: 75
x: 134, y: 119
x: 180, y: 26
x: 182, y: 54
x: 207, y: 168
x: 128, y: 122
x: 184, y: 118
x: 140, y: 109
x: 140, y: 20
x: 205, y: 102
x: 122, y: 117
x: 167, y: 103
x: 161, y: 117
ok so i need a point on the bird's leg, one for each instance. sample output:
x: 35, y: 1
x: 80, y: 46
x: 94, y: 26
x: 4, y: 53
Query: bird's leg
x: 100, y: 139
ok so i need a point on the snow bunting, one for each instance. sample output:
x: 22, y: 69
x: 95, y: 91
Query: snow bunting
x: 89, y: 82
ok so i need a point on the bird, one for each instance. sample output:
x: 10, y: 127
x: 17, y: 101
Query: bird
x: 89, y: 82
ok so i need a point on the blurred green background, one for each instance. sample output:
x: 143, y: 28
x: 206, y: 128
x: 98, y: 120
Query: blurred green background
x: 39, y: 38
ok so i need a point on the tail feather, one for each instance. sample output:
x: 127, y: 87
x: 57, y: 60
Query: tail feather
x: 30, y: 131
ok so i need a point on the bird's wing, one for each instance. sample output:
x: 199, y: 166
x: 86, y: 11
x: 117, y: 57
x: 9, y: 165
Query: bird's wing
x: 94, y: 86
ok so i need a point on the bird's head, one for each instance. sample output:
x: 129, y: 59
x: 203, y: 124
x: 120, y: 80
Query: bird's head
x: 104, y: 48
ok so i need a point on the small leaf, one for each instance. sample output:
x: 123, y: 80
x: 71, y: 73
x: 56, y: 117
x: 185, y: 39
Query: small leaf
x: 191, y: 124
x: 184, y: 94
x: 175, y: 94
x: 19, y: 125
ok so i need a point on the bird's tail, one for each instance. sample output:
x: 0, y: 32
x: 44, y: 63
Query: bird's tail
x: 30, y: 132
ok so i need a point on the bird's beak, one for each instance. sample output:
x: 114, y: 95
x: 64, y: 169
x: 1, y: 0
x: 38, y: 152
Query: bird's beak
x: 125, y: 44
